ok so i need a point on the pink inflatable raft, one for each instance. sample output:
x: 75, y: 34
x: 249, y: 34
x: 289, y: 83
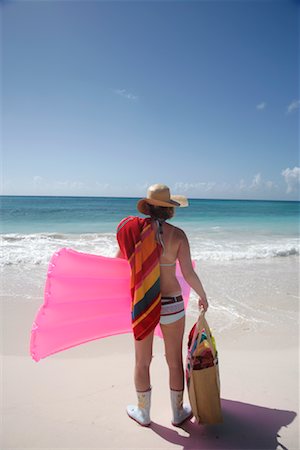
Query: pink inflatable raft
x: 87, y: 297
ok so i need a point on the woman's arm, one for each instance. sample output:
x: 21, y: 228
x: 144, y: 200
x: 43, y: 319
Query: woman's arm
x: 190, y: 276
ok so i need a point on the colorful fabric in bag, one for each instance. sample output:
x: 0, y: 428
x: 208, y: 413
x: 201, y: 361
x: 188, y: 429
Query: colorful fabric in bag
x: 202, y: 356
x: 202, y: 374
x: 136, y: 238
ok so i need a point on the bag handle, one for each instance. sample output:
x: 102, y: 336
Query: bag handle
x: 199, y: 327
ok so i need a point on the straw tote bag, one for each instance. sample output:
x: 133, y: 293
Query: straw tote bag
x: 202, y: 374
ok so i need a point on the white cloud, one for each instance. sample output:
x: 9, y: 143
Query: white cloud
x: 42, y: 186
x: 256, y: 182
x: 70, y: 185
x: 242, y: 185
x: 270, y: 185
x: 261, y: 106
x: 181, y: 188
x: 293, y: 106
x: 292, y: 178
x: 259, y: 184
x: 37, y: 180
x: 124, y: 93
x: 257, y: 187
x: 141, y: 188
x: 102, y: 186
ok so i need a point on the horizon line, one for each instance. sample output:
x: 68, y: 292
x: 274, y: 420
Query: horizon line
x: 134, y: 198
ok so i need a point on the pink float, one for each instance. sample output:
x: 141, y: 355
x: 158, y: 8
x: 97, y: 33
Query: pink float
x: 87, y: 297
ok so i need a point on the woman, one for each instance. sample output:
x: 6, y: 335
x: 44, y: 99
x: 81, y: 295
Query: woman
x: 174, y: 245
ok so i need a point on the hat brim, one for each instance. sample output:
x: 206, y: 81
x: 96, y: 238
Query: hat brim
x: 175, y: 201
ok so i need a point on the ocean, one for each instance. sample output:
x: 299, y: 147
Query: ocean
x: 32, y: 228
x: 246, y: 252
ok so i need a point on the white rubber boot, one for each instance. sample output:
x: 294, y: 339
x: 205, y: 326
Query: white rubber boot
x: 181, y: 412
x: 141, y: 412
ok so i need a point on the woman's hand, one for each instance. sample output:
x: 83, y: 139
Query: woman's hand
x: 203, y: 303
x: 119, y: 254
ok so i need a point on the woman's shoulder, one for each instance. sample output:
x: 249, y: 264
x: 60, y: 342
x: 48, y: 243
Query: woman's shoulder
x: 177, y: 232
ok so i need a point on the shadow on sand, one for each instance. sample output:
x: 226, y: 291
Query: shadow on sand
x: 245, y: 427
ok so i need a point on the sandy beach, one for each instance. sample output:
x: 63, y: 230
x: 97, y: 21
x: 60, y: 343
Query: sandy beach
x: 76, y: 399
x: 109, y: 110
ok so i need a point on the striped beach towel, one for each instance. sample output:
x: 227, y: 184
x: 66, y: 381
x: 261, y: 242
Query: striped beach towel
x: 137, y: 242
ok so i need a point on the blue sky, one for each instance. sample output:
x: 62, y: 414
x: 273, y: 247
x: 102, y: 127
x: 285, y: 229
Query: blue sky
x: 105, y: 98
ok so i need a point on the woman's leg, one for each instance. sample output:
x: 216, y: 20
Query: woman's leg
x: 143, y: 358
x: 173, y: 336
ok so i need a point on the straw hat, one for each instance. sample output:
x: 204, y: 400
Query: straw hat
x: 159, y: 195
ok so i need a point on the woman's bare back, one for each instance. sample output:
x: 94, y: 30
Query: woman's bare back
x: 172, y: 237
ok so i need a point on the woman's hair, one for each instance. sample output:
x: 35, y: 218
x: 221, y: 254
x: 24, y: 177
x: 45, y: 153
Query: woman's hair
x: 160, y: 212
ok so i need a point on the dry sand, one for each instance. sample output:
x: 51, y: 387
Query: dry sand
x: 77, y: 399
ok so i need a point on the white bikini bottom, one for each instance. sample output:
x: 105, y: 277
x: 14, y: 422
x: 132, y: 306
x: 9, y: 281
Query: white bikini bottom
x: 172, y: 308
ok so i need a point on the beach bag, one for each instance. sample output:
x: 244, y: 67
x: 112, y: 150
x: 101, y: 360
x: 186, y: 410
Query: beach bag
x: 202, y: 374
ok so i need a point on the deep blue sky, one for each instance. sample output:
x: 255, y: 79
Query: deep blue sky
x: 105, y: 98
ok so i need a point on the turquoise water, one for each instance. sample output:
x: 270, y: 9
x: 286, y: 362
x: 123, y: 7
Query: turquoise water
x: 91, y: 214
x: 33, y: 227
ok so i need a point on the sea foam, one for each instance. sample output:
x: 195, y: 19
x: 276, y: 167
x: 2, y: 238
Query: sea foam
x: 36, y: 249
x: 18, y: 249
